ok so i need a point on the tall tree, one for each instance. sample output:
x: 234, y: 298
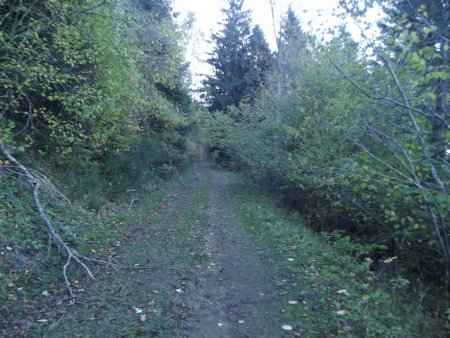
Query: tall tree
x: 261, y: 59
x: 237, y: 68
x: 160, y: 9
x: 291, y: 42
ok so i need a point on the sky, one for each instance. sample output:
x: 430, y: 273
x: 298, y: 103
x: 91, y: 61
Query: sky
x: 316, y: 16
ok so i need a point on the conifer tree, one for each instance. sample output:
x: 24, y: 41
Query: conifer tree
x: 261, y: 58
x: 292, y: 41
x: 160, y: 9
x: 238, y: 59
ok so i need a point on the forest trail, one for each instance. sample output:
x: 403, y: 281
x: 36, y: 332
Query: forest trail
x: 237, y: 297
x: 194, y: 272
x: 209, y: 256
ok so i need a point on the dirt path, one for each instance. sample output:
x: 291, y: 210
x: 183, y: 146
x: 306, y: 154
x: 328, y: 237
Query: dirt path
x: 237, y: 298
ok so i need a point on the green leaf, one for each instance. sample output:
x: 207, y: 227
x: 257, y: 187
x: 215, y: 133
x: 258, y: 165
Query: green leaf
x: 442, y: 198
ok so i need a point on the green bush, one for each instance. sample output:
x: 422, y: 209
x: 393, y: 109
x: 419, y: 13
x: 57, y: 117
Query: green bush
x: 347, y: 161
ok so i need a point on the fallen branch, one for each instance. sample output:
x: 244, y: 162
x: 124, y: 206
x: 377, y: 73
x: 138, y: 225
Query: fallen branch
x: 132, y: 202
x: 55, y: 238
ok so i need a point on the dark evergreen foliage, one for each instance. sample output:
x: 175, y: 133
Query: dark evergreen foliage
x: 261, y: 59
x: 292, y: 42
x: 238, y: 68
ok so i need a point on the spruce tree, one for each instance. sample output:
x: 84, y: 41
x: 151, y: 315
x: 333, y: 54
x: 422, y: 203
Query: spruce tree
x: 237, y: 67
x: 160, y: 9
x: 292, y: 42
x: 261, y: 59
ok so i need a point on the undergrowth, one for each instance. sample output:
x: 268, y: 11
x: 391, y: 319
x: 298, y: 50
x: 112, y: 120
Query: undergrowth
x: 30, y: 270
x: 330, y: 286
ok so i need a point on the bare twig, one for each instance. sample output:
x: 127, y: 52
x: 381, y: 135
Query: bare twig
x: 69, y: 252
x: 132, y: 202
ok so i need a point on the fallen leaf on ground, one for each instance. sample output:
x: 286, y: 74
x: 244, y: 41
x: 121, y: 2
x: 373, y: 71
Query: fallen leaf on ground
x: 343, y: 292
x: 138, y: 310
x: 342, y: 312
x: 143, y: 318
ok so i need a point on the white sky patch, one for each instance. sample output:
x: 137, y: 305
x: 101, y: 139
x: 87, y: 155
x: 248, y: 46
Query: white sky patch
x: 316, y: 17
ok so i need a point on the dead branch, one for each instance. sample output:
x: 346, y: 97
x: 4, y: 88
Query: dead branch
x: 49, y: 186
x: 132, y: 202
x: 55, y: 238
